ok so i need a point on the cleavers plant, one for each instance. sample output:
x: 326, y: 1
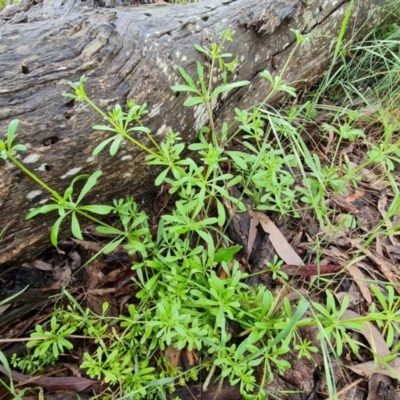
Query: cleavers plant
x: 182, y: 301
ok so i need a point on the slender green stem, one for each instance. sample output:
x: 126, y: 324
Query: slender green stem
x: 51, y: 191
x: 34, y: 177
x: 141, y: 146
x: 90, y: 217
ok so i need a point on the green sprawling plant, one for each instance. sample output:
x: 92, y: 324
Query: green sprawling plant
x: 182, y: 301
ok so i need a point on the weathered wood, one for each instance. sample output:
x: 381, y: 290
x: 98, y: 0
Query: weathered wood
x: 133, y: 52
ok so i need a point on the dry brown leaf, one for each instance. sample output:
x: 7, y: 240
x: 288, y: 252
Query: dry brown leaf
x: 369, y: 217
x: 370, y: 367
x: 347, y: 391
x: 393, y: 249
x: 359, y: 279
x: 331, y: 138
x: 76, y: 260
x: 87, y: 245
x: 371, y: 178
x: 284, y: 250
x: 356, y: 197
x: 344, y: 204
x: 94, y: 274
x: 39, y: 264
x: 172, y: 355
x: 371, y: 109
x: 335, y: 254
x: 192, y: 357
x: 4, y: 308
x: 375, y: 383
x: 378, y: 246
x: 353, y: 294
x: 62, y: 276
x: 254, y: 221
x: 285, y: 293
x: 388, y: 269
x: 378, y: 346
x: 372, y: 335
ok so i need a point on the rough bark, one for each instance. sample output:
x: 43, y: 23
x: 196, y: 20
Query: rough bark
x: 132, y: 52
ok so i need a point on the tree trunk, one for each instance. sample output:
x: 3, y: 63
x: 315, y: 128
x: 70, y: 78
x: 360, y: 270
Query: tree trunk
x: 132, y: 53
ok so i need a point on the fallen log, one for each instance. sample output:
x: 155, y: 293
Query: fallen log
x: 132, y: 52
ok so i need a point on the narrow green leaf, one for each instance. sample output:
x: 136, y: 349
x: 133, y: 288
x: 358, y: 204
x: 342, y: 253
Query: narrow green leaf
x: 101, y: 145
x: 221, y: 213
x: 69, y: 95
x: 103, y: 128
x: 198, y: 146
x: 139, y: 129
x: 75, y: 227
x: 192, y: 101
x: 71, y: 185
x: 184, y: 88
x: 11, y: 130
x: 88, y: 185
x: 161, y: 177
x: 267, y: 75
x: 201, y: 49
x: 288, y: 89
x: 54, y: 231
x: 235, y: 181
x: 41, y: 210
x: 97, y: 209
x: 187, y: 78
x: 112, y: 246
x: 238, y: 158
x: 4, y: 362
x: 200, y: 71
x: 19, y: 147
x: 229, y: 86
x: 115, y: 145
x: 301, y: 309
x: 109, y: 230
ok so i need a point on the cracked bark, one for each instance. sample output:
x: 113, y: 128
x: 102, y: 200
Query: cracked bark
x: 132, y: 52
